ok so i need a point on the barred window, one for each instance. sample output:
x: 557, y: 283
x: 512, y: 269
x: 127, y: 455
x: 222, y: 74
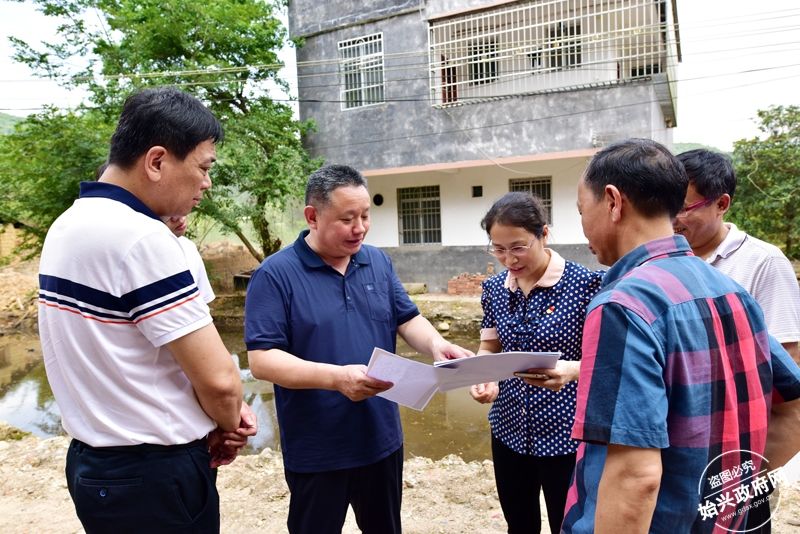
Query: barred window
x: 419, y: 215
x: 564, y: 48
x: 533, y: 47
x: 483, y: 64
x: 361, y: 70
x: 539, y: 187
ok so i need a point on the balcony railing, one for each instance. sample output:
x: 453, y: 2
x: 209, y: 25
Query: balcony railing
x: 549, y: 46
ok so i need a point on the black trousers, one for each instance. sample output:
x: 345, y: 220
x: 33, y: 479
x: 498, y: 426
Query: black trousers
x: 165, y: 491
x: 759, y: 519
x: 319, y: 501
x: 520, y: 477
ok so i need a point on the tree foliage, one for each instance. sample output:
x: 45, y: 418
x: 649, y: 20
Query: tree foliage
x: 222, y: 51
x: 7, y: 123
x: 767, y: 203
x: 42, y: 165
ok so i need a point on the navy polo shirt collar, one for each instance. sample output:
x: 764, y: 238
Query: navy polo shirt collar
x: 310, y: 258
x: 115, y: 192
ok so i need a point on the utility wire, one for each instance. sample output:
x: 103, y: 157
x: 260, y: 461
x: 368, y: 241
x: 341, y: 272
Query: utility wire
x: 548, y: 117
x: 628, y: 32
x: 426, y: 97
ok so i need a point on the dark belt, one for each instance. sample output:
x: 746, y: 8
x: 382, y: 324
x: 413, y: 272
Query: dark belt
x: 145, y: 447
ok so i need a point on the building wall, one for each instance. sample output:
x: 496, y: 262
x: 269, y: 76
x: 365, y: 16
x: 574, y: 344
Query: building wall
x: 407, y: 131
x: 308, y: 18
x: 461, y: 213
x: 435, y: 265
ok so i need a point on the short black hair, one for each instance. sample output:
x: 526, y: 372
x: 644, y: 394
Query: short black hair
x: 652, y: 179
x: 164, y: 117
x: 100, y: 170
x: 709, y: 172
x: 324, y: 180
x: 519, y: 209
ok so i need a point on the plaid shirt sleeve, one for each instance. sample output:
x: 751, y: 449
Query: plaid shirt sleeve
x: 785, y: 374
x: 622, y: 396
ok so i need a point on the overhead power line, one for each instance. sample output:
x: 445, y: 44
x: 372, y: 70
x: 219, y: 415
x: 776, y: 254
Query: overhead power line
x: 543, y: 118
x: 424, y: 97
x: 425, y: 53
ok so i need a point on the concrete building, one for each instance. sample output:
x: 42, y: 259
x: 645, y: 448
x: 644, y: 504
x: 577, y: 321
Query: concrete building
x: 445, y: 105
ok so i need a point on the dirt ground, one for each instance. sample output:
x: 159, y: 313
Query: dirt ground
x: 19, y: 296
x: 444, y: 496
x: 447, y: 496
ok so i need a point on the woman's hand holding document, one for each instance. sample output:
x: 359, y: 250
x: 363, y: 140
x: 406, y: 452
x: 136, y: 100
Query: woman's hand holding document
x: 415, y: 382
x: 554, y: 379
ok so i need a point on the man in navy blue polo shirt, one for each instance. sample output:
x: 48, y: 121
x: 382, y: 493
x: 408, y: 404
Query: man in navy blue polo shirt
x: 314, y: 313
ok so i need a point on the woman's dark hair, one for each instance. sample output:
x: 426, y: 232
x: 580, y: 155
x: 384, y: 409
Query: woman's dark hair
x: 165, y: 117
x: 520, y: 209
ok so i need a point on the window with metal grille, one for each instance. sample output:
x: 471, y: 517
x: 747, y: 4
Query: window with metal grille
x: 539, y: 187
x: 361, y: 70
x: 419, y: 215
x: 564, y: 48
x: 490, y: 52
x: 483, y: 66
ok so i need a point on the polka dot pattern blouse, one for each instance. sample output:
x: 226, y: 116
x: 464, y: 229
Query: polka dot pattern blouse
x: 530, y: 419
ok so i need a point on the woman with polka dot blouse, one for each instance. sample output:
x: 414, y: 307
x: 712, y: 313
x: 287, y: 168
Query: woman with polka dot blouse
x: 537, y: 305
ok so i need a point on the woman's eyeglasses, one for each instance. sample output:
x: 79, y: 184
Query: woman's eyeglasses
x: 514, y: 251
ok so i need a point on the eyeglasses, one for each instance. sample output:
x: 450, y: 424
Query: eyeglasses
x: 685, y: 211
x: 515, y: 251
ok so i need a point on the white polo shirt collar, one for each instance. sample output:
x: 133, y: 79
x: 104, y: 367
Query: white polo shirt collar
x: 732, y: 242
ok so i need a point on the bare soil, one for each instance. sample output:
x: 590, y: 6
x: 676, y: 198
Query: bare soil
x: 447, y: 496
x: 19, y: 296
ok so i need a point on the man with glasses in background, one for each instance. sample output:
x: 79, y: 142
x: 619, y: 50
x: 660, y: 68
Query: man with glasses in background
x: 759, y: 267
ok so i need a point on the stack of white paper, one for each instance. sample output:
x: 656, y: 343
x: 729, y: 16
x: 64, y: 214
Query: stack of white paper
x: 415, y: 382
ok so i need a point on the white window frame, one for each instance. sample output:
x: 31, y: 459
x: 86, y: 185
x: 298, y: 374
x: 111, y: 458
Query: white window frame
x: 362, y: 73
x: 423, y: 206
x: 483, y: 65
x: 544, y: 46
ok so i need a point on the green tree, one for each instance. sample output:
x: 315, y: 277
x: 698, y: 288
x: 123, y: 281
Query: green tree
x: 7, y: 123
x: 680, y: 148
x: 42, y: 164
x: 767, y: 202
x: 223, y: 52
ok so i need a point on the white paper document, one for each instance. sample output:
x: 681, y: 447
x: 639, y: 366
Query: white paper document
x: 493, y: 367
x: 415, y: 382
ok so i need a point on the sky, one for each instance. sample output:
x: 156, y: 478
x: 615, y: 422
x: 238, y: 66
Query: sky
x: 739, y: 56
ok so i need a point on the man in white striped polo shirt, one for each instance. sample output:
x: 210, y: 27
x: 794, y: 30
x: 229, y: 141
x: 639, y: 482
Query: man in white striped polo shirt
x: 146, y: 389
x: 761, y: 268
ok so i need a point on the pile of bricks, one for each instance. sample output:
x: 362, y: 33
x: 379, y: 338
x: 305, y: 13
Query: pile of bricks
x: 468, y: 285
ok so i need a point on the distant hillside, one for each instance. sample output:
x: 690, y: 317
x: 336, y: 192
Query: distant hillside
x: 7, y: 123
x: 685, y: 147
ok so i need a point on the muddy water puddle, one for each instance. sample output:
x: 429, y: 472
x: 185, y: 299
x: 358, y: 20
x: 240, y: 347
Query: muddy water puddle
x: 452, y: 423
